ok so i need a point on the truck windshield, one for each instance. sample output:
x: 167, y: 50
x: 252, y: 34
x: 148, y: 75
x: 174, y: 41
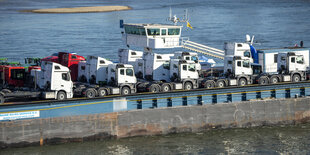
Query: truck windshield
x: 246, y: 63
x: 17, y: 74
x: 166, y: 65
x: 300, y: 59
x: 129, y: 72
x: 65, y: 76
x: 191, y: 67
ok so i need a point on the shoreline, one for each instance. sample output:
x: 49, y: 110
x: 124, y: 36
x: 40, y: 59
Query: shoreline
x: 81, y: 9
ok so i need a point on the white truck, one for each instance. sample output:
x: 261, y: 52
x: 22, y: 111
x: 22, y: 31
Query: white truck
x: 240, y: 71
x: 52, y: 81
x: 93, y: 70
x: 120, y: 80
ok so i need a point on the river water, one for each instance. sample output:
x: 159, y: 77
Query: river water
x: 275, y: 23
x: 262, y: 140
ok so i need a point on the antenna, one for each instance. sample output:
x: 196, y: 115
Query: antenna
x: 175, y: 19
x: 249, y: 40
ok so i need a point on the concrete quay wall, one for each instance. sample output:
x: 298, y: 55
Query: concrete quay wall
x: 159, y: 121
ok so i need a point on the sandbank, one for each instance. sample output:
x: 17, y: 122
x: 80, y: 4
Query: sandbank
x: 81, y: 9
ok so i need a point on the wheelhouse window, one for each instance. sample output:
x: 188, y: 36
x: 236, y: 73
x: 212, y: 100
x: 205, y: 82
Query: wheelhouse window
x: 134, y: 30
x: 185, y: 67
x: 163, y: 32
x: 153, y: 32
x: 174, y: 31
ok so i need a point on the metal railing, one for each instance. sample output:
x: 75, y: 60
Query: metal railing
x: 117, y: 103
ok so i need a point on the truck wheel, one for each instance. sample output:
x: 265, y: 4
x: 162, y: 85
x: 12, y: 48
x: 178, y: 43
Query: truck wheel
x: 102, y: 92
x: 242, y: 82
x: 154, y: 88
x: 90, y: 93
x: 125, y: 91
x: 220, y: 84
x: 165, y: 88
x: 209, y: 84
x: 296, y: 78
x: 274, y: 80
x: 61, y: 95
x: 188, y: 86
x: 2, y: 99
x: 263, y: 81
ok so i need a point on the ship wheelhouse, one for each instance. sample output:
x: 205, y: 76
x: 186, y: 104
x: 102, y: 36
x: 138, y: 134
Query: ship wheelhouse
x: 152, y: 36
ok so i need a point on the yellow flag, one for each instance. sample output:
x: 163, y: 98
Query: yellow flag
x: 189, y: 25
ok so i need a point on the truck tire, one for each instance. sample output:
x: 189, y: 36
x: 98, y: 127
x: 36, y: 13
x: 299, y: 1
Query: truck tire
x: 263, y: 81
x: 2, y: 99
x: 102, y: 92
x: 165, y: 88
x: 242, y: 82
x: 220, y: 83
x: 209, y: 84
x: 125, y: 91
x: 188, y: 86
x: 90, y: 93
x: 61, y: 95
x: 296, y: 78
x: 154, y: 88
x: 274, y: 80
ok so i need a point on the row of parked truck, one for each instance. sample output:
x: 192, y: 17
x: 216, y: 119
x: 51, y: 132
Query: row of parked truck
x: 66, y: 75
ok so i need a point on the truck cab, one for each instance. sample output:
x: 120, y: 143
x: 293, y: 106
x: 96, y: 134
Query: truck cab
x: 290, y: 62
x: 235, y: 65
x: 93, y: 70
x: 70, y: 60
x: 12, y: 76
x: 55, y: 79
x: 238, y: 49
x: 157, y: 66
x: 182, y: 69
x: 188, y: 56
x: 120, y: 74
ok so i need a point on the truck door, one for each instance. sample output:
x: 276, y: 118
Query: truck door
x: 66, y: 83
x: 292, y: 64
x: 300, y: 65
x: 126, y: 75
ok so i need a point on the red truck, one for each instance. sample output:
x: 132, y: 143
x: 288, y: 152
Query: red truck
x: 70, y: 60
